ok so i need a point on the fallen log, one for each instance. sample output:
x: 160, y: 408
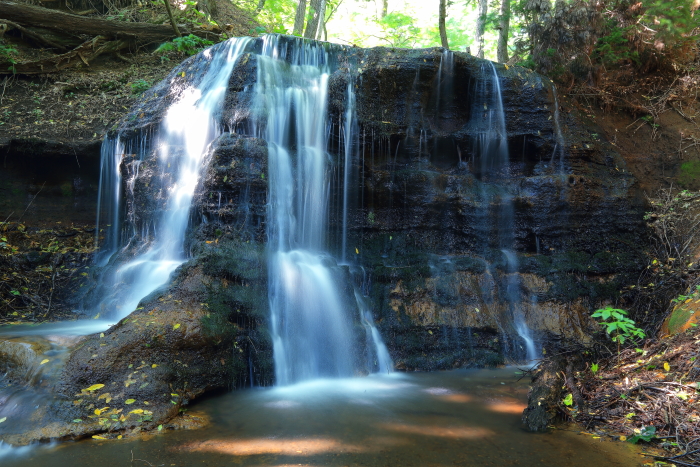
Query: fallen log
x: 84, y: 53
x: 29, y: 15
x: 37, y: 37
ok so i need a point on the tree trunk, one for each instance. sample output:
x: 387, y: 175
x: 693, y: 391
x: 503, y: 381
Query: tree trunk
x: 259, y: 8
x: 172, y: 20
x: 322, y: 20
x: 299, y: 18
x: 441, y: 23
x: 385, y: 8
x: 312, y: 24
x: 481, y: 27
x: 208, y: 7
x: 503, y: 31
x: 73, y: 24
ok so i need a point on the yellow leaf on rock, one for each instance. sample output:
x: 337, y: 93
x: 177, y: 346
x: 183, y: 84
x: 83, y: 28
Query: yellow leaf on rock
x: 176, y: 326
x: 129, y: 401
x: 154, y: 365
x: 95, y: 387
x: 667, y: 367
x: 137, y: 411
x: 46, y: 360
x: 623, y: 438
x: 357, y: 252
x: 98, y: 437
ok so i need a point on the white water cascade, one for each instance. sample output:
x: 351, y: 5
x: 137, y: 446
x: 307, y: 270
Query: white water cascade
x: 492, y: 148
x: 311, y: 320
x: 181, y: 144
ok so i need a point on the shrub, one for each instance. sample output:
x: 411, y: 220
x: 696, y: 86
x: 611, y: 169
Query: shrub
x: 186, y: 45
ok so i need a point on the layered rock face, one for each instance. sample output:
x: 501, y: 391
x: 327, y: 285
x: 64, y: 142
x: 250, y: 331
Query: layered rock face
x: 422, y: 221
x: 463, y: 208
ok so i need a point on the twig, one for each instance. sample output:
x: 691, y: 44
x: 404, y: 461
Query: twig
x: 30, y: 203
x: 142, y: 460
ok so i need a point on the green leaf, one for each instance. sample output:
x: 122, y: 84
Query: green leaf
x: 568, y: 400
x: 594, y: 368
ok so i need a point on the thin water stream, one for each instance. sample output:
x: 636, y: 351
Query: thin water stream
x: 465, y: 418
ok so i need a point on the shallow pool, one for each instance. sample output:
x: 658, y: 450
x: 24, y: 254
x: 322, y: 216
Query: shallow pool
x: 463, y: 418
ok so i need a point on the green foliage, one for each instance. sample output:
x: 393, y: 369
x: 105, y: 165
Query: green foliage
x: 398, y: 30
x: 594, y: 368
x: 186, y: 45
x: 618, y: 325
x: 646, y: 433
x: 613, y: 48
x: 568, y: 400
x: 139, y: 86
x: 682, y: 298
x: 8, y: 54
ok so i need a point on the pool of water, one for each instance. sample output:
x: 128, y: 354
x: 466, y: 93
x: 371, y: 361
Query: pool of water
x: 464, y: 418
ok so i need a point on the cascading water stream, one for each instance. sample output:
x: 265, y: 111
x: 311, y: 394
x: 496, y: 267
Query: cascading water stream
x: 181, y: 144
x: 311, y: 320
x: 311, y: 332
x: 492, y: 147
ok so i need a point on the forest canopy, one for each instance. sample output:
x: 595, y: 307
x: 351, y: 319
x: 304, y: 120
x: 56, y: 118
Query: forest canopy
x: 565, y: 39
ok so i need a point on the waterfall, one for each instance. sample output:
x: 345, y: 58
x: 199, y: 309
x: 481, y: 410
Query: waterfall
x: 492, y: 149
x: 311, y: 319
x: 311, y: 332
x: 153, y: 243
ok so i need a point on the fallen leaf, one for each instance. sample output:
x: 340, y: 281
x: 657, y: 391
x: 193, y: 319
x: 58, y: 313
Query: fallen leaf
x: 176, y: 326
x: 136, y: 411
x: 667, y: 367
x: 129, y: 401
x: 46, y: 360
x: 3, y: 419
x: 94, y: 387
x: 98, y: 437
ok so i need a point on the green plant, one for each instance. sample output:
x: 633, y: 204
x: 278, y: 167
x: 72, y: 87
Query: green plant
x: 8, y: 55
x: 139, y: 86
x: 187, y: 45
x: 618, y: 325
x: 683, y: 298
x: 646, y: 433
x: 594, y: 368
x: 613, y: 48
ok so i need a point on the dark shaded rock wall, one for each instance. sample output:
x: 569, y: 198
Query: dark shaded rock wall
x: 421, y: 224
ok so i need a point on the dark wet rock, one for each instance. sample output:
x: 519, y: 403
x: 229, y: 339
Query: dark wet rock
x: 418, y: 219
x: 545, y: 395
